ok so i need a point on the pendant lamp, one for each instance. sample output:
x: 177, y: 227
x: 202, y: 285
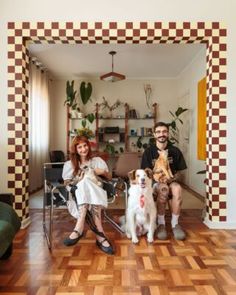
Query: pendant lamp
x: 112, y: 76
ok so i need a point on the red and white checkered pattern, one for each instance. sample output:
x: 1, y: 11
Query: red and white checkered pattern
x: 213, y: 34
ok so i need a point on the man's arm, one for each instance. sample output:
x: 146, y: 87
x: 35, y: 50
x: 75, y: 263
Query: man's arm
x: 146, y: 160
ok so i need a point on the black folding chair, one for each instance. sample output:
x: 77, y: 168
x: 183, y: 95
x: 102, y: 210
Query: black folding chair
x: 53, y: 189
x: 56, y: 157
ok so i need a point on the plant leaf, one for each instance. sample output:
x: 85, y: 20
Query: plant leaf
x: 70, y: 94
x: 173, y: 125
x: 180, y: 111
x: 90, y: 117
x: 172, y: 114
x: 201, y: 172
x: 85, y: 92
x: 84, y: 122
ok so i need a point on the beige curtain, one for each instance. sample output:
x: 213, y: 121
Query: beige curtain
x: 39, y: 125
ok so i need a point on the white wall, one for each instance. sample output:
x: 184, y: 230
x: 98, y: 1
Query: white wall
x: 187, y: 83
x: 127, y: 91
x: 133, y: 10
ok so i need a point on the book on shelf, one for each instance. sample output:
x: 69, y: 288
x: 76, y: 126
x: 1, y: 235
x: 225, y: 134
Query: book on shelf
x: 144, y: 131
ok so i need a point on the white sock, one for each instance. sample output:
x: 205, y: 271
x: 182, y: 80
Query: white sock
x: 174, y: 220
x: 161, y: 219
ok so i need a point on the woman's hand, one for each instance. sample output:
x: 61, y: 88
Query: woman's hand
x: 102, y: 172
x: 67, y: 182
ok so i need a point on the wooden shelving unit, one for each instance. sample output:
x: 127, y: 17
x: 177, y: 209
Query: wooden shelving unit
x: 126, y: 120
x: 126, y: 123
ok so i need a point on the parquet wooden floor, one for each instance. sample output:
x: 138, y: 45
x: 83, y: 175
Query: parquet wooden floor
x: 204, y: 264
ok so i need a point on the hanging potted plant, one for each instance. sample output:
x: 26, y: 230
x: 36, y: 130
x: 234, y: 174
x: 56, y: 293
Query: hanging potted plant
x: 71, y: 101
x: 85, y: 94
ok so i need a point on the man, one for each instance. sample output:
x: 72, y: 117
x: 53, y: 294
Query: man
x: 177, y: 163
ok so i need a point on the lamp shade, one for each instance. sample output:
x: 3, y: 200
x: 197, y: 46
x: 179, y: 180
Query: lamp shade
x: 112, y: 76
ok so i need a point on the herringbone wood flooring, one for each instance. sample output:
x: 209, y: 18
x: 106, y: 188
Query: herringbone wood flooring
x: 203, y: 264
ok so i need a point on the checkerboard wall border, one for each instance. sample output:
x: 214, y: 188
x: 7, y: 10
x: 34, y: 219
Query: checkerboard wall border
x: 213, y: 34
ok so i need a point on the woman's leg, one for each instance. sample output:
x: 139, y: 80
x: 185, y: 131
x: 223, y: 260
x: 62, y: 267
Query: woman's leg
x: 79, y: 226
x: 96, y: 213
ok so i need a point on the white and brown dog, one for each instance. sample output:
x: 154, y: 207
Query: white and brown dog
x: 141, y: 212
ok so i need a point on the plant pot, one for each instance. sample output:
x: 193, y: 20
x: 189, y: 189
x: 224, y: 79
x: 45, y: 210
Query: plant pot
x: 80, y: 115
x: 73, y: 114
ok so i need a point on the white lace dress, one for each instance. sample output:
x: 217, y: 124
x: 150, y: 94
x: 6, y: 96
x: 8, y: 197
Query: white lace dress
x: 87, y: 191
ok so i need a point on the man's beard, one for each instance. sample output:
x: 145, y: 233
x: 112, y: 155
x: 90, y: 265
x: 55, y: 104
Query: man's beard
x: 162, y: 139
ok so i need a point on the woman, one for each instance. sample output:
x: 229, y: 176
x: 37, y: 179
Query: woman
x: 89, y: 195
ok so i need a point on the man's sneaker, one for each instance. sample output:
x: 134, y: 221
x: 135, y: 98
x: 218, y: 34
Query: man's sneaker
x: 161, y: 232
x: 179, y: 234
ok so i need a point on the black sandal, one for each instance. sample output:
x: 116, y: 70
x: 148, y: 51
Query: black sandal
x: 109, y: 249
x: 106, y: 249
x: 71, y: 242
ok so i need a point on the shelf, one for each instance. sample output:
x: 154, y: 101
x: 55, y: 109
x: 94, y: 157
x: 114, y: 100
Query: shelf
x: 116, y: 142
x: 76, y: 119
x: 111, y: 118
x: 111, y: 133
x: 149, y: 118
x: 140, y: 136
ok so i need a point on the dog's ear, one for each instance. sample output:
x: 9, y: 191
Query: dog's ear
x: 131, y: 175
x: 149, y: 172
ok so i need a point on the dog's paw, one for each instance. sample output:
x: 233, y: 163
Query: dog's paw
x: 135, y: 240
x: 128, y: 235
x: 150, y: 238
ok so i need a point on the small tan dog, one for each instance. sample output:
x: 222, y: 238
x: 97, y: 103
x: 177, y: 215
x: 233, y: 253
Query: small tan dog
x: 161, y: 171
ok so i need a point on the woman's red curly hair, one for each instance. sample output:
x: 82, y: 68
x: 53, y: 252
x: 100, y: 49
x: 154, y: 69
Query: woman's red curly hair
x: 74, y: 156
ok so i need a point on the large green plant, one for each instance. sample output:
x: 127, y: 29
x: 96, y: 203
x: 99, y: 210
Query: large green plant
x: 70, y: 95
x: 173, y: 125
x: 71, y: 101
x: 85, y: 94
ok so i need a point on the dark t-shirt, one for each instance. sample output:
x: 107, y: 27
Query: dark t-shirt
x: 175, y: 158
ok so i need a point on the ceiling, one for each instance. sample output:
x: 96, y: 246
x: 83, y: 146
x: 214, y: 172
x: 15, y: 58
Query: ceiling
x: 136, y: 61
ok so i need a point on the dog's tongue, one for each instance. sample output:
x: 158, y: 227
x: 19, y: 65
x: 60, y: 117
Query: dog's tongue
x: 142, y: 202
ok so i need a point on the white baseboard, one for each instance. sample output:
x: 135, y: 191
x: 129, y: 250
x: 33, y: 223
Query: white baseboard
x: 26, y: 222
x: 220, y: 225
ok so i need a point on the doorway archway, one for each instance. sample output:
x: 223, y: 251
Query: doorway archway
x: 213, y: 34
